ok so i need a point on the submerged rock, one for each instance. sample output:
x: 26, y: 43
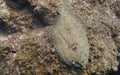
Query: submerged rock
x: 70, y: 39
x: 24, y: 43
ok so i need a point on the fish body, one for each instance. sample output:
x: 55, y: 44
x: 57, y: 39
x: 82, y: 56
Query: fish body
x: 70, y: 38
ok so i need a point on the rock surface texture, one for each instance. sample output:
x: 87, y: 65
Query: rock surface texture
x: 25, y: 37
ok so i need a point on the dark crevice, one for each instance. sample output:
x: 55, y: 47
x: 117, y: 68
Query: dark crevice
x: 3, y: 26
x: 45, y: 16
x: 111, y: 72
x: 114, y: 35
x: 7, y: 29
x: 17, y: 4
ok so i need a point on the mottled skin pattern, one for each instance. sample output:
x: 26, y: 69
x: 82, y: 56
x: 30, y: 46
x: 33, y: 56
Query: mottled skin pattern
x: 70, y: 38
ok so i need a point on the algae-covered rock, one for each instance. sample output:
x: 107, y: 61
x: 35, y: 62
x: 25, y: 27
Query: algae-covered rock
x: 45, y: 10
x: 25, y: 48
x: 70, y: 38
